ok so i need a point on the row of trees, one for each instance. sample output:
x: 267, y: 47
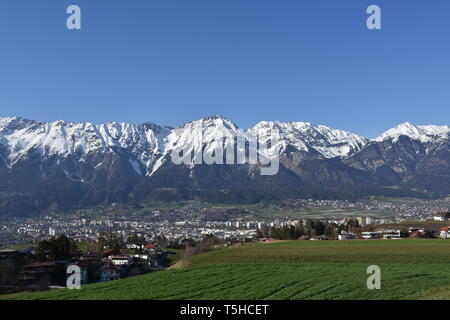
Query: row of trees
x: 192, y: 248
x: 311, y: 228
x: 64, y: 248
x: 59, y: 248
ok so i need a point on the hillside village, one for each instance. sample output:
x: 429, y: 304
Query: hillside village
x: 44, y: 266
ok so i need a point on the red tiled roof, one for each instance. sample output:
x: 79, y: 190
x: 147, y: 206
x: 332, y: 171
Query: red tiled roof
x: 40, y: 264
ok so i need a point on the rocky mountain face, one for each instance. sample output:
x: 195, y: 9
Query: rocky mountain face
x: 408, y: 156
x: 59, y: 165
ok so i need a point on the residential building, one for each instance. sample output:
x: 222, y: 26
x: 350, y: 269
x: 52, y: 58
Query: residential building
x: 371, y: 235
x: 392, y: 234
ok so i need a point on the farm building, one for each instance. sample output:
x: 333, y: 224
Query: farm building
x: 445, y: 232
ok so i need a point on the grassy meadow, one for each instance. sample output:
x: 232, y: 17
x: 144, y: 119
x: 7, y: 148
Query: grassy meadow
x: 410, y: 269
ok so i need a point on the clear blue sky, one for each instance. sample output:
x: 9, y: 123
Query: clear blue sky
x: 171, y: 61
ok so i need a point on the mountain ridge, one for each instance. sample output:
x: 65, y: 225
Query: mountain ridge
x: 63, y: 164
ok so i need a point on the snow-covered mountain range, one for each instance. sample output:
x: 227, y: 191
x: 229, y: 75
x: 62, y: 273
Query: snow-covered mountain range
x: 19, y: 137
x: 147, y: 143
x: 123, y: 161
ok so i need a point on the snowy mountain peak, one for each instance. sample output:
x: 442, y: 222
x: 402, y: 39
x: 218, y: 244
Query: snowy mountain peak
x: 304, y: 136
x: 207, y: 129
x: 14, y: 123
x: 202, y: 131
x: 20, y: 137
x: 5, y: 120
x: 211, y: 121
x: 421, y: 133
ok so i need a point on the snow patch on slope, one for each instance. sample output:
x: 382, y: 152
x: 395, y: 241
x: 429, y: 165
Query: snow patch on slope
x: 196, y: 137
x: 306, y: 137
x: 423, y: 134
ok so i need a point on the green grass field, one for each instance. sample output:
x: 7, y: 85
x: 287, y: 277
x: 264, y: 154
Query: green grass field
x: 411, y: 269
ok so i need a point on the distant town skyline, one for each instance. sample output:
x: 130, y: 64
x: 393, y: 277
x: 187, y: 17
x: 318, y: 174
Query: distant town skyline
x: 174, y: 62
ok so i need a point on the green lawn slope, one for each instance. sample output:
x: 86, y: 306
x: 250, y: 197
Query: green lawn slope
x: 411, y: 269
